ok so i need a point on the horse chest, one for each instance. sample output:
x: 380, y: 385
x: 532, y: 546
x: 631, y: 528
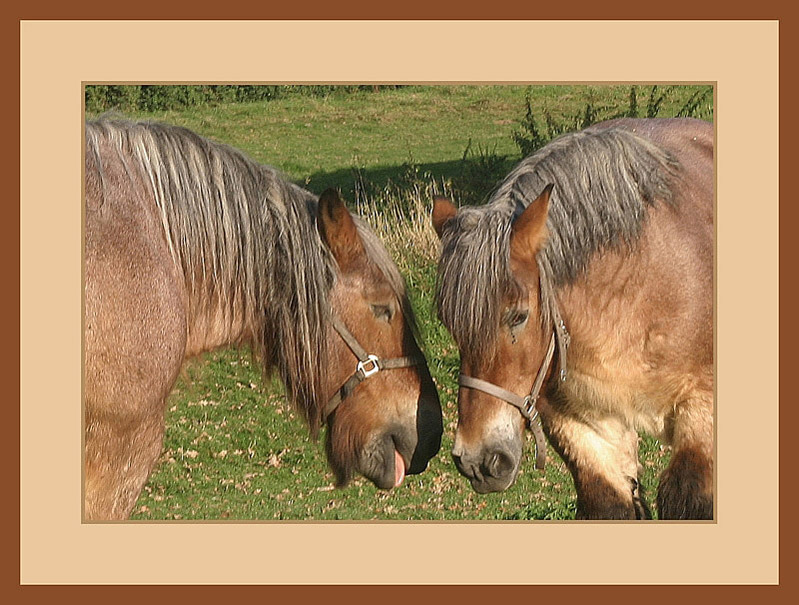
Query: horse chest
x: 614, y: 387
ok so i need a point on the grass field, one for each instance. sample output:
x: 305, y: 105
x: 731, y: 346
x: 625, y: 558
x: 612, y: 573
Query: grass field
x: 233, y: 449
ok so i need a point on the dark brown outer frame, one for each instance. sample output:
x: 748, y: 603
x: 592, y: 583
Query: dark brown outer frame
x: 365, y: 9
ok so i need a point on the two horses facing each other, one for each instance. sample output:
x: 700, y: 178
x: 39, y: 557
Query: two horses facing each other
x: 191, y: 246
x: 582, y: 292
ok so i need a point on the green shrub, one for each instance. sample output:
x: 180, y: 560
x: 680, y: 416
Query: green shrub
x: 671, y: 101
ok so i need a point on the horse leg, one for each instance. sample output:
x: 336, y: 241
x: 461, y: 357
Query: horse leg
x: 686, y: 486
x: 126, y: 389
x: 120, y: 453
x: 134, y: 342
x: 127, y: 383
x: 602, y: 457
x: 134, y: 351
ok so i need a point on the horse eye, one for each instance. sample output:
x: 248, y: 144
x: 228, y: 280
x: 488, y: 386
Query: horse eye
x: 383, y: 312
x: 517, y: 318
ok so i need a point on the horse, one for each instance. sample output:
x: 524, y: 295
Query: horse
x: 581, y: 294
x: 191, y: 246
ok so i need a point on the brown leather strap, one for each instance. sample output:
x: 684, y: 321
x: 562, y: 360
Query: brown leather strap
x: 526, y: 405
x: 367, y: 365
x: 348, y: 338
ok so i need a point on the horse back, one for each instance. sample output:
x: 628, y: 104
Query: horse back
x: 678, y: 235
x: 690, y: 142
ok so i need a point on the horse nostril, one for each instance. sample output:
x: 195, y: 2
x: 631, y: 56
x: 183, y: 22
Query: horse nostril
x: 491, y: 464
x: 466, y: 467
x: 498, y: 464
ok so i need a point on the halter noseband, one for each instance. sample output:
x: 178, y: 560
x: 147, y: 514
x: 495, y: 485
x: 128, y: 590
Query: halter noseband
x: 526, y: 405
x: 368, y: 365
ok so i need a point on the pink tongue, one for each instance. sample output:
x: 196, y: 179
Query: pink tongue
x: 399, y: 468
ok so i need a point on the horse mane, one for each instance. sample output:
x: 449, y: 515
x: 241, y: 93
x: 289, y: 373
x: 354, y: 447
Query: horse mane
x: 246, y: 242
x: 604, y: 183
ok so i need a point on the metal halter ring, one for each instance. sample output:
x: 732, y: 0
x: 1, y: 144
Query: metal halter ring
x: 368, y: 365
x: 374, y: 369
x: 529, y: 407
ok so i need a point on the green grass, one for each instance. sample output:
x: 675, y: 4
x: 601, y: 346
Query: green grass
x: 233, y: 449
x: 318, y: 141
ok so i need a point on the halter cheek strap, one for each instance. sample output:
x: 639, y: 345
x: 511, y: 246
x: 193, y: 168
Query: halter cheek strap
x: 526, y: 405
x: 368, y: 365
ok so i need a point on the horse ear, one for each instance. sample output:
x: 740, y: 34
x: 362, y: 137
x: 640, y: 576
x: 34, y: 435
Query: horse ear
x: 338, y: 230
x: 528, y: 232
x: 443, y: 210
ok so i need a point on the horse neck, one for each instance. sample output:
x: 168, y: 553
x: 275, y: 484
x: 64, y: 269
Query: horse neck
x: 214, y: 326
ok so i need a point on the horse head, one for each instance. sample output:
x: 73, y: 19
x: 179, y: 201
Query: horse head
x: 498, y: 367
x: 383, y: 414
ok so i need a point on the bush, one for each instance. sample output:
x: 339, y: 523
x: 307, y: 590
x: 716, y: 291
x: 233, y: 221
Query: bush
x: 480, y: 172
x: 530, y: 137
x: 100, y: 98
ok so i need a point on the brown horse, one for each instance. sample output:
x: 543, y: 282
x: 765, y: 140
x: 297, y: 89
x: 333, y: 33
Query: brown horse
x: 191, y: 246
x: 583, y: 293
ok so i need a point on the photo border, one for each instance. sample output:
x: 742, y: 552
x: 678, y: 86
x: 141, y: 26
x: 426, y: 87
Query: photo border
x: 14, y: 250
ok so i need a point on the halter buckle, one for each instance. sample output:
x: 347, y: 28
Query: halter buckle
x: 374, y: 366
x: 529, y: 407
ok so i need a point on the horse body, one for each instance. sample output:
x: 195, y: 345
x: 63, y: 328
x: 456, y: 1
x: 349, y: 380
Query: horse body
x: 190, y: 246
x: 635, y: 292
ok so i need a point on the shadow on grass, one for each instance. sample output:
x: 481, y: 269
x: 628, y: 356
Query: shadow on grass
x: 472, y: 177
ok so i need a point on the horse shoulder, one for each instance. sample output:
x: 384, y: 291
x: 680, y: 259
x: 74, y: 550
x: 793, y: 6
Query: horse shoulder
x: 135, y: 322
x: 632, y: 318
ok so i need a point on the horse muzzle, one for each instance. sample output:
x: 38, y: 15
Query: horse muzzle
x: 490, y: 469
x: 405, y: 448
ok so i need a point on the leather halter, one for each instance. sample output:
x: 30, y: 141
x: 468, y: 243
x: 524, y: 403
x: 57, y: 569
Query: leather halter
x: 526, y: 405
x: 368, y: 365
